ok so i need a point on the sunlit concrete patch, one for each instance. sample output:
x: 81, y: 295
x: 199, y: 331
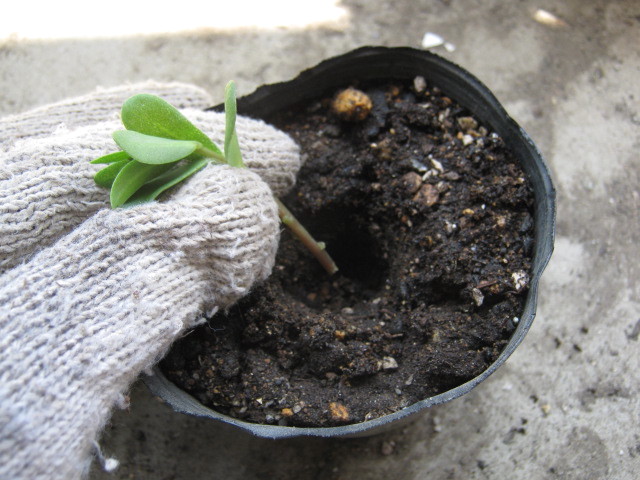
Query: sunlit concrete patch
x: 33, y: 19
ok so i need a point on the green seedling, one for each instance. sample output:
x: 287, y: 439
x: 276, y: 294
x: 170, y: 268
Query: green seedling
x: 161, y: 148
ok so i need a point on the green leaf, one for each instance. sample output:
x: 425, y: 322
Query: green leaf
x: 230, y: 111
x: 154, y: 150
x: 231, y: 146
x: 234, y: 157
x: 155, y: 187
x: 133, y: 176
x: 151, y: 115
x: 112, y: 158
x: 108, y: 174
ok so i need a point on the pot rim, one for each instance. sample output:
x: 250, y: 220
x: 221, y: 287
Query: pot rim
x: 368, y: 63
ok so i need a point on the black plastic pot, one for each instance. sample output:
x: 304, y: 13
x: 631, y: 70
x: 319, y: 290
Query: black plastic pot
x: 371, y: 63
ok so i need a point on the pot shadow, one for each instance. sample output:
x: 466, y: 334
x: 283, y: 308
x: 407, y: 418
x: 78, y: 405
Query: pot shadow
x: 152, y: 441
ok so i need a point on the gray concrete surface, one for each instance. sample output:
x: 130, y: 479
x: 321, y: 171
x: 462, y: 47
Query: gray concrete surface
x: 565, y: 406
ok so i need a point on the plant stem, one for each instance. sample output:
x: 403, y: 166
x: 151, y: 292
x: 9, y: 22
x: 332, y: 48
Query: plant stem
x: 316, y: 248
x: 211, y: 154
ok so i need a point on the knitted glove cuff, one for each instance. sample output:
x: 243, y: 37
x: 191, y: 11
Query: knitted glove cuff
x: 86, y: 315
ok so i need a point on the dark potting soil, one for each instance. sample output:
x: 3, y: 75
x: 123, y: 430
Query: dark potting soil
x: 430, y: 220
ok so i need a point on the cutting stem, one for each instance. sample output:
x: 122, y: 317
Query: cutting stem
x: 316, y: 248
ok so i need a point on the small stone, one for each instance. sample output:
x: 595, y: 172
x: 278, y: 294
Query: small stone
x: 520, y: 280
x: 478, y: 297
x: 437, y: 425
x: 411, y: 182
x: 387, y: 448
x: 352, y: 105
x: 297, y: 408
x: 110, y: 465
x: 418, y: 165
x: 430, y: 40
x: 427, y: 195
x: 370, y: 416
x: 436, y: 164
x: 546, y: 409
x: 389, y: 363
x: 467, y: 123
x: 340, y: 334
x: 338, y: 412
x: 467, y: 140
x: 549, y: 19
x: 450, y: 227
x: 419, y: 84
x: 286, y: 412
x: 432, y: 172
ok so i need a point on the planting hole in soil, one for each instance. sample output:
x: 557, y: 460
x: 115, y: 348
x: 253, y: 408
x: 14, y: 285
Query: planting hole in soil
x: 430, y: 220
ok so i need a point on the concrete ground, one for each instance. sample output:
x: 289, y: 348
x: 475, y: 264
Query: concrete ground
x: 565, y: 406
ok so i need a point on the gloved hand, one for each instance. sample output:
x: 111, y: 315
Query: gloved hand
x: 90, y: 296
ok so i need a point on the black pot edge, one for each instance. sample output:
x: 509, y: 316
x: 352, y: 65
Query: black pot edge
x: 389, y: 62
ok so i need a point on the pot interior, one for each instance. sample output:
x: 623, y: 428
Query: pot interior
x: 379, y: 63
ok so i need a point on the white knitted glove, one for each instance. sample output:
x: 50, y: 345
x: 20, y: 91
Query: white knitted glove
x: 89, y: 296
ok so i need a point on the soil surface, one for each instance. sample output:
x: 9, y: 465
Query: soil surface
x: 430, y: 220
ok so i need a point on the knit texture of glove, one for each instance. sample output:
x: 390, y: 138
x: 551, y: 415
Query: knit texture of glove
x: 92, y: 296
x: 47, y: 185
